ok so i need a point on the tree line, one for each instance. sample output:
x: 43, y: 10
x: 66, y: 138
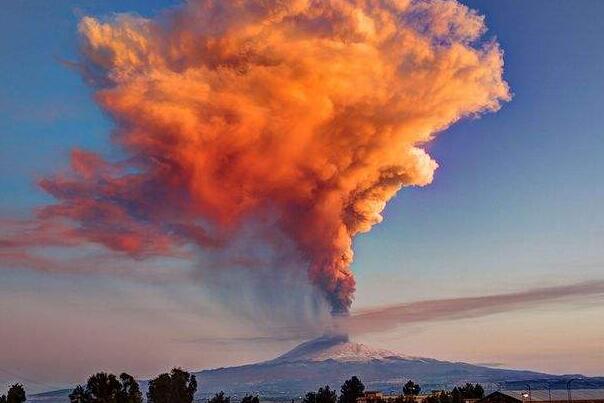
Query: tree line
x: 353, y: 389
x: 458, y: 394
x: 178, y: 386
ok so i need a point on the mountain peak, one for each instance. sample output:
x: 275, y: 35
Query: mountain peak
x: 338, y: 348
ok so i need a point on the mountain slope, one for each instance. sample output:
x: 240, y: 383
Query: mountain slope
x: 331, y: 360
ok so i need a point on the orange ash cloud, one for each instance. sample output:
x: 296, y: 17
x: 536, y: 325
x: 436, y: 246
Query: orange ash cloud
x: 306, y: 114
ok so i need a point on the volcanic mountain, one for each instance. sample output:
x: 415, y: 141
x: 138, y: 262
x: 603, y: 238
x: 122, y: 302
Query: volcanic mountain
x: 330, y: 360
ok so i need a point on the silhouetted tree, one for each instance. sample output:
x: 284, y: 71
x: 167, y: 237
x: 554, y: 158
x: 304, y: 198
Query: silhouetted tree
x: 468, y: 391
x: 351, y: 390
x: 79, y: 395
x: 250, y: 399
x: 160, y: 389
x: 220, y: 398
x: 456, y: 395
x: 411, y: 389
x: 323, y: 395
x: 310, y: 397
x: 15, y: 394
x: 478, y: 391
x: 176, y: 387
x: 106, y: 388
x: 130, y: 391
x: 103, y: 388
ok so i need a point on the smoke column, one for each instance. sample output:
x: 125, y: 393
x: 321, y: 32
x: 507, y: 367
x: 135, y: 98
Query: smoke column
x: 304, y: 117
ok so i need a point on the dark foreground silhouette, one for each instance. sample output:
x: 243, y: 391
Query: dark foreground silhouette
x: 15, y: 394
x: 179, y: 386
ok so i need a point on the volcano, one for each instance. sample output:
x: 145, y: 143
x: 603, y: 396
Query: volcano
x: 330, y: 360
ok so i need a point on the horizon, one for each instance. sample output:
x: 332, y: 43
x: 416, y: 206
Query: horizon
x: 316, y: 350
x: 164, y: 206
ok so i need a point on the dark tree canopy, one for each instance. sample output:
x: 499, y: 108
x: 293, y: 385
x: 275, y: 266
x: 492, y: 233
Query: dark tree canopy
x: 351, y: 390
x: 160, y: 389
x: 176, y: 387
x: 310, y: 397
x: 411, y: 389
x: 468, y: 391
x: 458, y: 394
x: 250, y: 399
x: 103, y: 388
x: 323, y: 395
x: 15, y: 394
x: 79, y: 395
x: 220, y: 398
x: 130, y: 391
x: 107, y: 388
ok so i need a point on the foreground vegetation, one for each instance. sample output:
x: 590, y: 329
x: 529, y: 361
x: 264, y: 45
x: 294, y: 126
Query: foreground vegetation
x: 178, y: 386
x: 15, y: 394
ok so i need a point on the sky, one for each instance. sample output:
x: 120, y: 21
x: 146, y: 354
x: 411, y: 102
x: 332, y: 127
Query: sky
x: 514, y: 205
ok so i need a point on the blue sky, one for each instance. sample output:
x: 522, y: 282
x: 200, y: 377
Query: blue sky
x: 517, y: 198
x: 516, y: 202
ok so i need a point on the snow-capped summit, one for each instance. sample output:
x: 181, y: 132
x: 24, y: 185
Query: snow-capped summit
x: 338, y: 348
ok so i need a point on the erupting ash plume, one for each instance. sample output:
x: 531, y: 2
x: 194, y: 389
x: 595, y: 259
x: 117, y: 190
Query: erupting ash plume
x: 302, y: 116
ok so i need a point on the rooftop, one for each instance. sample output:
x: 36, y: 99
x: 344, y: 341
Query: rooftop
x: 543, y: 395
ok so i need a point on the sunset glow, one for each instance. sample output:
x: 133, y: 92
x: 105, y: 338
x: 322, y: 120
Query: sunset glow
x: 196, y: 175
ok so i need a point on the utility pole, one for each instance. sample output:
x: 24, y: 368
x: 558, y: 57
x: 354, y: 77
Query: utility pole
x: 570, y: 398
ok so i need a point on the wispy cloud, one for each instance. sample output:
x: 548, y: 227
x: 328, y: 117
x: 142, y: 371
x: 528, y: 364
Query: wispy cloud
x: 389, y: 317
x: 386, y: 318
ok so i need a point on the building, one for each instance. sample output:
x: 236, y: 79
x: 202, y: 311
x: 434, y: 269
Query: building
x: 546, y: 396
x: 374, y: 396
x: 371, y: 396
